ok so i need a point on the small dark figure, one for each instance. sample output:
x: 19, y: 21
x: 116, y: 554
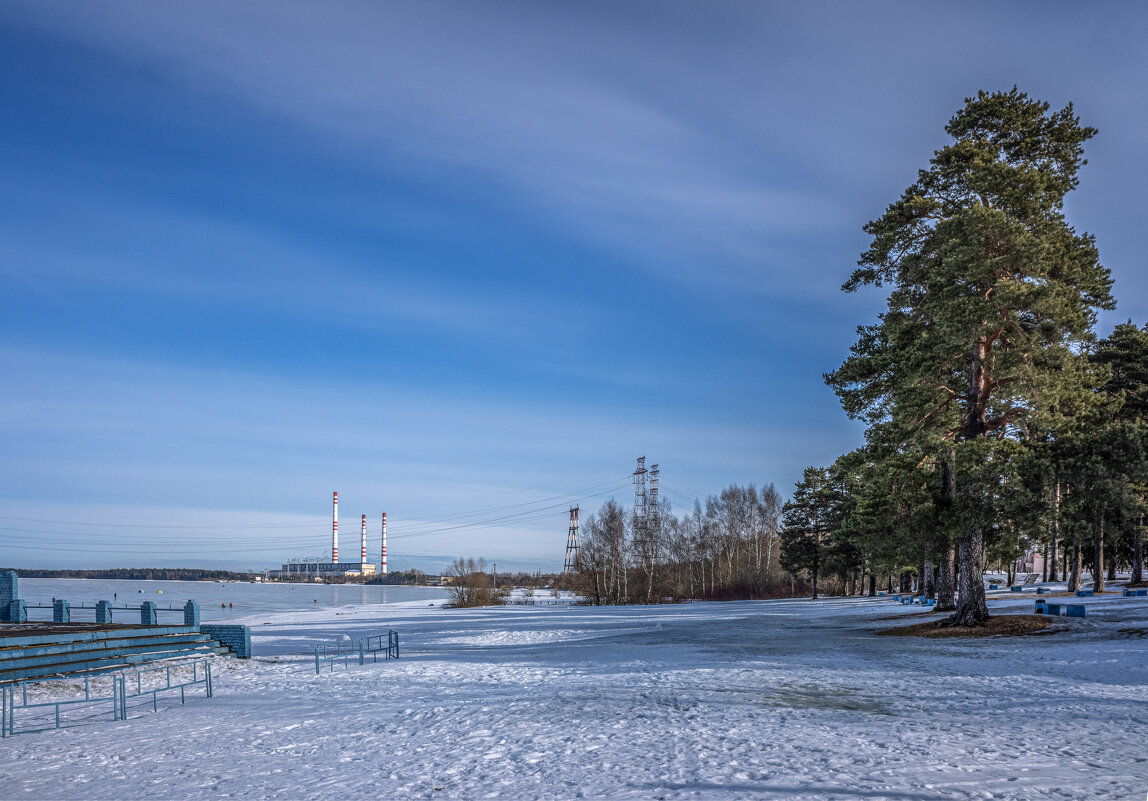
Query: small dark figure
x: 223, y: 606
x: 229, y: 605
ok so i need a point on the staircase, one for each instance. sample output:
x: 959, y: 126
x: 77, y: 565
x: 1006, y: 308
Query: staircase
x: 27, y: 654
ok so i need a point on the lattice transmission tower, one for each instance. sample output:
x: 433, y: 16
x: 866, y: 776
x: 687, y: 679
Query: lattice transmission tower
x: 641, y: 527
x: 652, y: 505
x: 572, y: 544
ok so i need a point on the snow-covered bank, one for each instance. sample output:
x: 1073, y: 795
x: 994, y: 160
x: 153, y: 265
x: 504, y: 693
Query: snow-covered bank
x: 773, y: 699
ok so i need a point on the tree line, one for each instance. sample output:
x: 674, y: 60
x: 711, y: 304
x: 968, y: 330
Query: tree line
x: 996, y: 419
x: 726, y: 548
x: 137, y: 574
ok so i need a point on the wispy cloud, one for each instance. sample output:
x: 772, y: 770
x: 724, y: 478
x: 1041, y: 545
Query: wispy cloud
x: 517, y: 104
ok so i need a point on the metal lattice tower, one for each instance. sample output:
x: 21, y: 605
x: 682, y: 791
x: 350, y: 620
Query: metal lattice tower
x: 640, y: 500
x: 652, y: 508
x: 572, y: 544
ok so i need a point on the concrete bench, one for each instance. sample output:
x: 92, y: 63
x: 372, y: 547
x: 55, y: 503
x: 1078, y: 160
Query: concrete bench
x: 1136, y: 592
x: 1059, y: 610
x: 1085, y: 593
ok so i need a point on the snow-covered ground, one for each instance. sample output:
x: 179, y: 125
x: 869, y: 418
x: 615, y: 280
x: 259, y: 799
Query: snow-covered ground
x: 772, y: 699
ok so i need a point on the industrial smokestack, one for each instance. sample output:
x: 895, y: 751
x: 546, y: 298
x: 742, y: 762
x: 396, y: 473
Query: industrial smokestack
x: 363, y: 536
x: 335, y: 531
x: 384, y: 565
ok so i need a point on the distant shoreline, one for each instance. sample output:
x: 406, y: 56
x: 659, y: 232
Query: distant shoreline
x: 136, y: 574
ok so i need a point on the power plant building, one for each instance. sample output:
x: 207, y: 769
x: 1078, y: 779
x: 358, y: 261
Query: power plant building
x: 319, y: 570
x: 315, y: 569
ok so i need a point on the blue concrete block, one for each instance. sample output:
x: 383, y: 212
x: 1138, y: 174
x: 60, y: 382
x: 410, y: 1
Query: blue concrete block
x: 1085, y: 593
x: 1074, y: 610
x: 9, y: 586
x: 1042, y: 590
x: 103, y: 611
x: 1138, y: 592
x: 994, y: 586
x: 147, y: 613
x: 191, y: 614
x: 237, y: 638
x: 61, y: 611
x: 17, y: 611
x: 881, y: 594
x: 1017, y: 588
x: 9, y: 592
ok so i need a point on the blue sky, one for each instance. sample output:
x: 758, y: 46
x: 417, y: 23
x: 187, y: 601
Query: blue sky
x: 463, y: 262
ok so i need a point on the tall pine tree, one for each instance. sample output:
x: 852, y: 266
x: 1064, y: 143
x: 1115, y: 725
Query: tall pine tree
x: 991, y: 294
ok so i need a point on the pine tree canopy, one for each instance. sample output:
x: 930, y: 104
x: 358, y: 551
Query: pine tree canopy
x: 992, y: 293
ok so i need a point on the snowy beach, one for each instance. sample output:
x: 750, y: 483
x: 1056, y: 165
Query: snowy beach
x: 773, y: 699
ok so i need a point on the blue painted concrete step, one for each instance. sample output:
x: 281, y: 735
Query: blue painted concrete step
x: 93, y: 634
x: 72, y: 651
x: 104, y: 663
x: 62, y: 655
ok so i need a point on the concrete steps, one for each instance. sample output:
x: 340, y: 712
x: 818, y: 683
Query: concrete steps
x: 76, y: 652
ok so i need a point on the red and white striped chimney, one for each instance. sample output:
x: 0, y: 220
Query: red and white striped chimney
x: 335, y: 531
x: 363, y: 535
x: 384, y: 565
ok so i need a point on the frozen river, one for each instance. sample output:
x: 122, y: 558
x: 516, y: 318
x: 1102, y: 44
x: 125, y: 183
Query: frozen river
x: 218, y: 601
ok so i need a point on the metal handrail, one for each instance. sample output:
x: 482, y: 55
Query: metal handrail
x: 118, y: 698
x: 345, y: 649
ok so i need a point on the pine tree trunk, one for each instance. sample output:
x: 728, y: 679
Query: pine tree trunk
x: 1044, y: 565
x: 873, y: 585
x: 1052, y: 560
x: 971, y: 607
x: 928, y: 587
x: 1098, y: 555
x: 1111, y: 561
x: 1138, y: 553
x: 946, y: 587
x: 1075, y: 565
x: 947, y: 583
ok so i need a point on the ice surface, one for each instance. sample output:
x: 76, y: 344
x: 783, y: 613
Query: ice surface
x: 772, y: 699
